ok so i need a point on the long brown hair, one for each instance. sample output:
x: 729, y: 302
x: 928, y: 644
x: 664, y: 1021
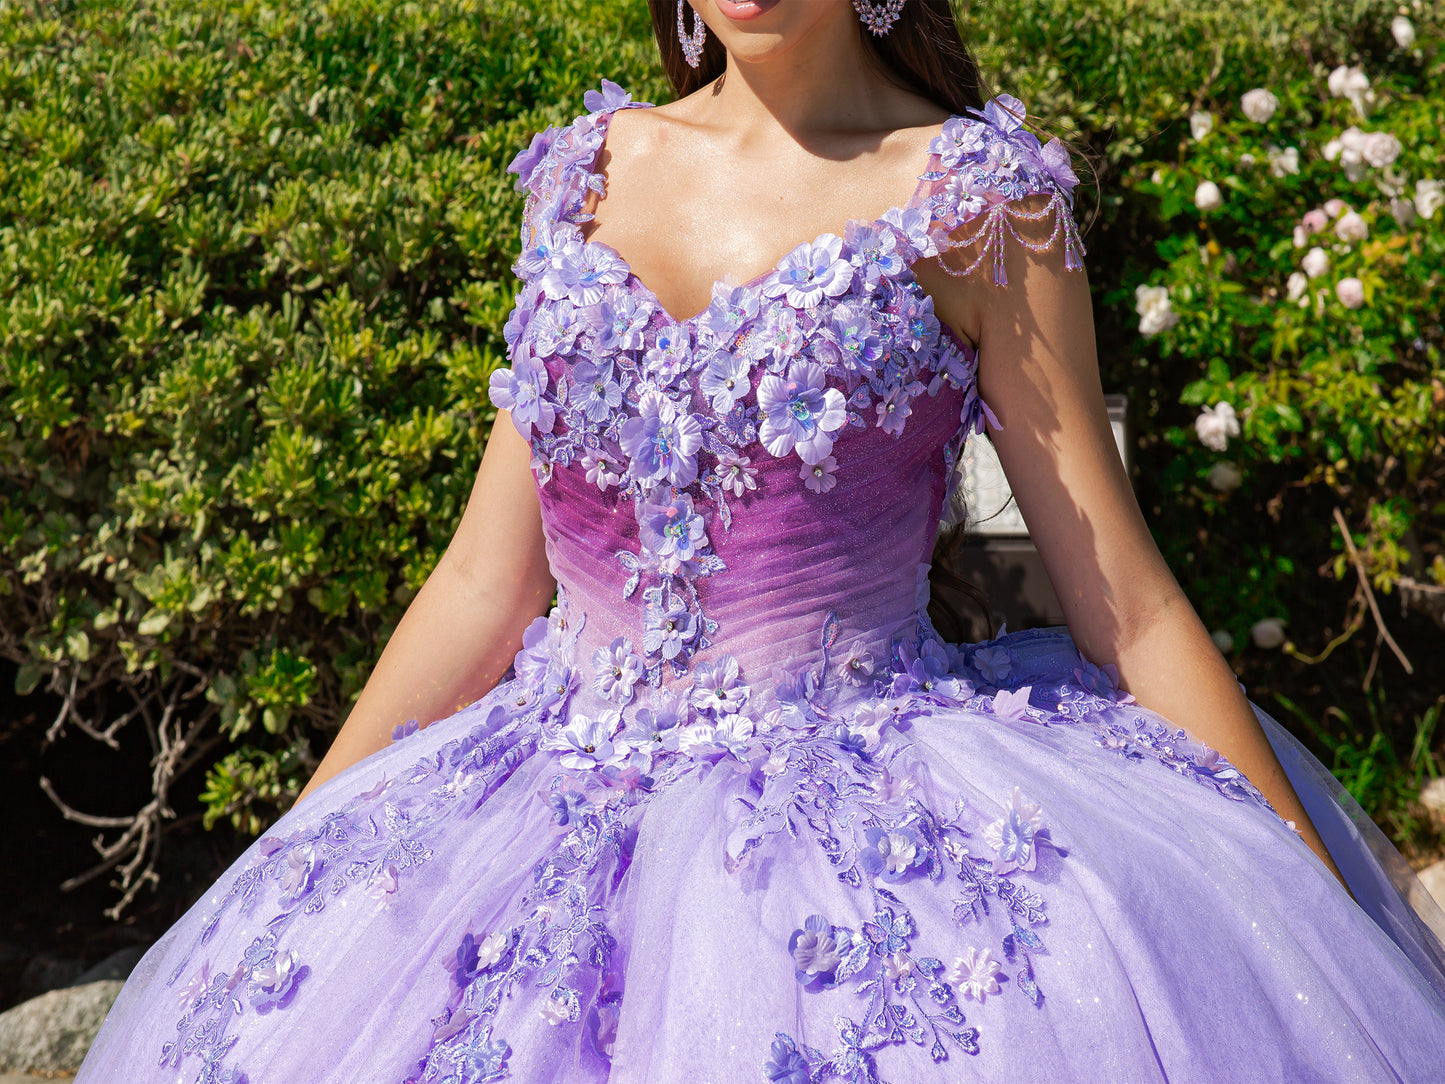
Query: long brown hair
x: 923, y: 53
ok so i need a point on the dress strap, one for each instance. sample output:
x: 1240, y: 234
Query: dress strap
x: 988, y: 171
x: 558, y: 168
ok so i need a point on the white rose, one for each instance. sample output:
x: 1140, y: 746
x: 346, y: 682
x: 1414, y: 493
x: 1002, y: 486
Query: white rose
x: 1259, y: 105
x: 1403, y: 30
x: 1208, y: 197
x: 1225, y: 477
x: 1301, y: 237
x: 1380, y: 149
x: 1429, y: 197
x: 1295, y: 288
x: 1156, y: 312
x: 1283, y: 162
x: 1403, y: 210
x: 1315, y: 263
x: 1223, y: 641
x: 1268, y: 634
x: 1351, y: 227
x: 1215, y: 425
x: 1352, y: 83
x: 1351, y: 292
x: 1201, y: 124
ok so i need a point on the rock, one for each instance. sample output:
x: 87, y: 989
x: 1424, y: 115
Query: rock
x: 45, y: 971
x: 118, y: 965
x: 50, y: 1034
x: 1433, y: 878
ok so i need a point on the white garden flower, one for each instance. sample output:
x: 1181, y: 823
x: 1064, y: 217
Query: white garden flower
x: 1315, y: 263
x: 1222, y: 640
x: 1351, y: 292
x: 1208, y: 197
x: 1429, y: 197
x: 1156, y: 312
x: 1215, y: 425
x: 1353, y: 84
x: 1380, y: 149
x: 1403, y: 209
x: 1351, y: 227
x: 1283, y: 162
x: 1295, y: 287
x: 1259, y: 105
x: 1268, y: 633
x: 1225, y: 477
x: 1403, y: 30
x: 1201, y: 123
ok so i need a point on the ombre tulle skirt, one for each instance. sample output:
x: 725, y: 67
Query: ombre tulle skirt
x: 1037, y: 882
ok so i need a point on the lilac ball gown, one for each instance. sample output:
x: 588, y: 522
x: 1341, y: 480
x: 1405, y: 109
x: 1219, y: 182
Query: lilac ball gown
x: 738, y: 813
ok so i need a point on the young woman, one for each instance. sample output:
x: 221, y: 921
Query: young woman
x: 735, y: 811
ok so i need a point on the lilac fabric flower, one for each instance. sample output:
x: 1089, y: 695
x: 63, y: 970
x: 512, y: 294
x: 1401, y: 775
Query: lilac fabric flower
x: 662, y: 441
x: 818, y: 950
x: 521, y: 314
x: 603, y: 470
x: 732, y: 308
x: 874, y: 253
x: 778, y: 340
x: 616, y: 670
x: 555, y: 328
x: 658, y: 727
x: 800, y: 412
x: 670, y: 354
x: 918, y: 328
x: 536, y: 257
x: 588, y: 743
x: 961, y: 140
x: 890, y: 853
x: 819, y: 476
x: 672, y: 529
x: 725, y: 380
x: 853, y: 326
x: 272, y: 977
x: 609, y: 98
x: 580, y: 271
x: 524, y: 165
x: 668, y: 629
x: 595, y: 390
x: 736, y: 473
x: 785, y: 1065
x: 895, y: 410
x: 738, y: 426
x: 1014, y: 836
x: 522, y: 389
x: 813, y: 271
x: 718, y: 688
x: 857, y: 664
x: 1012, y: 704
x: 620, y: 322
x: 994, y: 663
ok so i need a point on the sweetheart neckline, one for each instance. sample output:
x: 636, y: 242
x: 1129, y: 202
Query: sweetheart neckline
x: 590, y: 170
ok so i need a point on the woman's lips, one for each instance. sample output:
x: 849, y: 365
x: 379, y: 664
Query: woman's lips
x: 744, y: 9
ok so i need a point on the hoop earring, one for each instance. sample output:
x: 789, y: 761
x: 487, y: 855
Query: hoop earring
x: 878, y: 15
x: 691, y: 43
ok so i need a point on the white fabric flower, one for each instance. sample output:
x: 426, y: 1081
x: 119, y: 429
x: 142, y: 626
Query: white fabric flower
x: 1208, y: 197
x: 554, y: 1011
x: 975, y: 974
x: 1351, y: 292
x: 1283, y: 162
x: 1225, y: 477
x: 1268, y: 633
x: 1403, y: 31
x: 1201, y: 123
x: 489, y: 949
x: 1259, y: 105
x: 1315, y: 263
x: 1156, y: 312
x: 1429, y: 197
x: 1215, y: 425
x: 1351, y: 227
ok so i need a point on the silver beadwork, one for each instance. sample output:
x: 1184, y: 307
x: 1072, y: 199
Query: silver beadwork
x: 877, y: 15
x: 692, y: 43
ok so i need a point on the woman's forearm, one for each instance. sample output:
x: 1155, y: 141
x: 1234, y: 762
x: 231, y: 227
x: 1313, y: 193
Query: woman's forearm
x: 1172, y: 667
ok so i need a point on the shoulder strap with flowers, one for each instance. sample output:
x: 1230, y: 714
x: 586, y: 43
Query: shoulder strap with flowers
x: 988, y: 165
x: 556, y: 169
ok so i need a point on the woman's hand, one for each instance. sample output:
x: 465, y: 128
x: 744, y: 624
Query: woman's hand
x: 1038, y: 371
x: 462, y: 630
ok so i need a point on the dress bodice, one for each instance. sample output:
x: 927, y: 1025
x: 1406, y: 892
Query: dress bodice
x: 743, y: 503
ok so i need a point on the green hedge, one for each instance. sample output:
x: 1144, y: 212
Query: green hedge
x: 253, y: 271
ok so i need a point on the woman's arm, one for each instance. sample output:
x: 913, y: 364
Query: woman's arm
x: 461, y: 631
x: 1039, y: 372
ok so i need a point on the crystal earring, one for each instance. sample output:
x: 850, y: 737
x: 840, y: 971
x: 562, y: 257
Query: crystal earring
x: 691, y: 43
x: 878, y: 15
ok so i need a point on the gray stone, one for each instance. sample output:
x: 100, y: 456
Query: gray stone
x: 1433, y: 878
x: 46, y: 971
x: 50, y: 1034
x: 1432, y: 797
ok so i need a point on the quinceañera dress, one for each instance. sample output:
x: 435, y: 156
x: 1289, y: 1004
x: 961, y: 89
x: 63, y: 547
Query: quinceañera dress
x: 738, y: 813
